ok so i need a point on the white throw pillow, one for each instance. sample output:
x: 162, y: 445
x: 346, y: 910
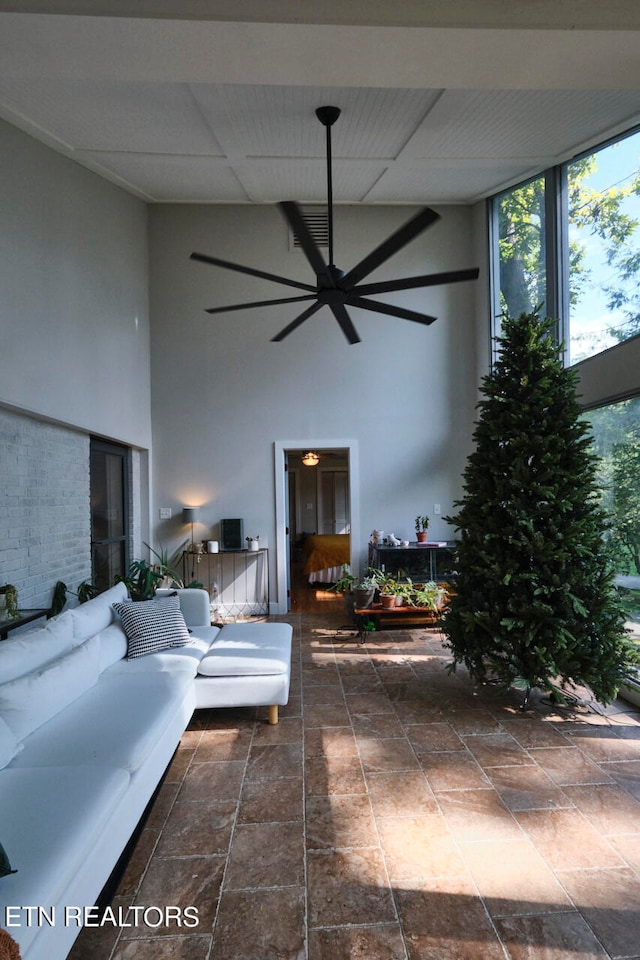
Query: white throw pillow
x: 9, y: 745
x: 152, y: 625
x: 26, y: 651
x: 96, y: 614
x: 28, y: 702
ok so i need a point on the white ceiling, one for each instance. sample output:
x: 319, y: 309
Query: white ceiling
x: 222, y: 111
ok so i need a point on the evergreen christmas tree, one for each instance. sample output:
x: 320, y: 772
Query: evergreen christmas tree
x: 534, y: 603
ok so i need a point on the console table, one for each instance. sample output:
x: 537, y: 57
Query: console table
x: 237, y: 580
x: 23, y: 616
x: 420, y: 562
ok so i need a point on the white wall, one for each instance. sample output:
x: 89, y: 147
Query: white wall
x: 222, y: 394
x: 73, y: 294
x: 74, y: 357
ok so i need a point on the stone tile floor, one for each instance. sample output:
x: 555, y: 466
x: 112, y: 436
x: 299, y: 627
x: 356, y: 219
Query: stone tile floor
x: 396, y: 812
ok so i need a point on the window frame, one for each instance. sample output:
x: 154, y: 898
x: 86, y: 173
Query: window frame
x: 556, y: 210
x: 97, y: 444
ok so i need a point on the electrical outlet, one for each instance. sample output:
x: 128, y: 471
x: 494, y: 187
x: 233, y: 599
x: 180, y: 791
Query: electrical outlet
x: 436, y: 509
x: 165, y: 513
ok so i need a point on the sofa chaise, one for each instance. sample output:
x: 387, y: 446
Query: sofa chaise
x: 88, y: 726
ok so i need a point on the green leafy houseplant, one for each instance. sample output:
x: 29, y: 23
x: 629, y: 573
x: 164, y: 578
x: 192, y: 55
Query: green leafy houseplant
x: 11, y: 599
x: 345, y: 583
x: 85, y: 591
x: 141, y: 580
x: 535, y: 603
x: 428, y: 595
x: 364, y: 590
x: 167, y: 564
x: 421, y: 524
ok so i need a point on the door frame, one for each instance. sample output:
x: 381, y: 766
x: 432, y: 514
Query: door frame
x: 280, y: 449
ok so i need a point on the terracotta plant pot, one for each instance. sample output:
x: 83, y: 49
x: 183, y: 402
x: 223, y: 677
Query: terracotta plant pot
x: 363, y: 596
x: 421, y: 536
x: 388, y: 600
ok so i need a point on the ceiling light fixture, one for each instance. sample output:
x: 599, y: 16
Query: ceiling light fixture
x: 311, y: 459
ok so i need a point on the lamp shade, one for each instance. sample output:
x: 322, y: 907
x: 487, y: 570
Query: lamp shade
x: 189, y: 514
x: 311, y: 459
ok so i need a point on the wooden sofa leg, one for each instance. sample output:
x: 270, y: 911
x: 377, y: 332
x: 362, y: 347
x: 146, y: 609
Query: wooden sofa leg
x: 273, y: 713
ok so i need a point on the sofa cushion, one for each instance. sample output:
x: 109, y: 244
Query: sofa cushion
x: 185, y: 658
x: 9, y: 744
x: 96, y: 614
x: 113, y: 645
x: 52, y: 818
x: 117, y: 723
x: 152, y: 625
x: 261, y: 649
x: 26, y: 651
x: 29, y: 701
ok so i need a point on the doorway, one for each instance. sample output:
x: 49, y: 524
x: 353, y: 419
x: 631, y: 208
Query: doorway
x: 323, y: 498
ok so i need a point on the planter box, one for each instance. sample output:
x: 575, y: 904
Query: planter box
x: 631, y: 691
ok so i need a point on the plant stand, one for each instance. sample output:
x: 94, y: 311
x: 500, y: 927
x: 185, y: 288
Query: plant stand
x: 392, y: 616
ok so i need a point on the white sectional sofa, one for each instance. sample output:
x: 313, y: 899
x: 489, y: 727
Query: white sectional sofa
x: 86, y: 733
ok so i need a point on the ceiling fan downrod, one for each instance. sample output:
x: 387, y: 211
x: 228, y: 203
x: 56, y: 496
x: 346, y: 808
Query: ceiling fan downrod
x: 327, y: 117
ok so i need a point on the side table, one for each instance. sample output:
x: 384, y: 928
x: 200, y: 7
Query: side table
x: 24, y: 616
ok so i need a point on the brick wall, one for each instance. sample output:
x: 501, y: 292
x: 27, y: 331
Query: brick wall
x: 44, y: 507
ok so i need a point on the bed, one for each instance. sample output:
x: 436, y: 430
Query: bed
x: 325, y: 555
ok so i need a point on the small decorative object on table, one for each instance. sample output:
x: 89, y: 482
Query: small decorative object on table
x: 253, y: 543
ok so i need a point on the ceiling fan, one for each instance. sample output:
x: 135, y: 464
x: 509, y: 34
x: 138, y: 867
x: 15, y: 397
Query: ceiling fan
x: 334, y: 288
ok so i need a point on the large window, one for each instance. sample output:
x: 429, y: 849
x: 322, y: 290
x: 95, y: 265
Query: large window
x: 616, y: 439
x: 521, y: 244
x: 604, y: 245
x: 568, y: 243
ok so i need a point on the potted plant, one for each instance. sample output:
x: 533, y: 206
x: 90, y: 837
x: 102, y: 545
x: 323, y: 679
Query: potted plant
x: 388, y: 588
x: 428, y: 595
x: 422, y: 525
x: 86, y: 591
x: 141, y: 580
x: 167, y: 566
x: 364, y: 591
x: 405, y: 593
x: 345, y: 583
x: 8, y: 601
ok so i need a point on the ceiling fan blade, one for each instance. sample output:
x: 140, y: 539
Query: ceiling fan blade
x: 344, y: 320
x: 260, y: 303
x: 428, y: 280
x: 391, y: 245
x: 296, y: 323
x: 390, y: 310
x: 251, y: 271
x: 296, y: 221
